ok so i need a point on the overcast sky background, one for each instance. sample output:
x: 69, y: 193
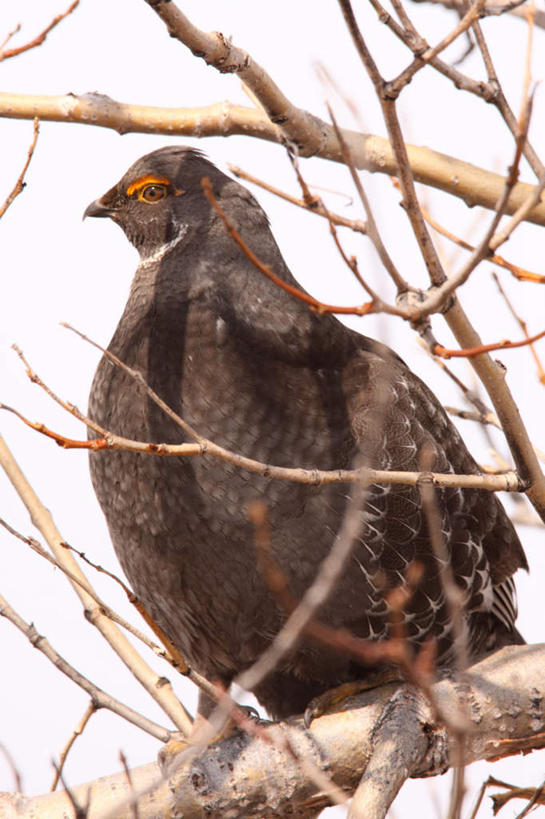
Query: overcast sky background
x: 57, y: 268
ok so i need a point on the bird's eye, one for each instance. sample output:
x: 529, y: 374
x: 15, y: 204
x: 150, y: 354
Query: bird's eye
x: 152, y: 193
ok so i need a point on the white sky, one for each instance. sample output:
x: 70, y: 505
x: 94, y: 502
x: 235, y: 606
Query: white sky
x: 56, y: 268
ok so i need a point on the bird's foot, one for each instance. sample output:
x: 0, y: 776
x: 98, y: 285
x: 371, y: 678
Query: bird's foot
x: 169, y: 755
x: 236, y: 721
x: 331, y: 698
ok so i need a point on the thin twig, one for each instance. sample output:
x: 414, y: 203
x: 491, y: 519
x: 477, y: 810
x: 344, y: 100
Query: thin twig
x: 491, y: 240
x: 404, y: 172
x: 41, y: 518
x: 470, y: 352
x: 352, y: 262
x: 536, y: 799
x: 78, y: 730
x: 168, y: 652
x: 517, y: 8
x: 314, y: 304
x: 79, y: 811
x: 506, y: 483
x: 429, y: 55
x: 473, y: 415
x: 499, y: 800
x: 14, y: 769
x: 38, y: 40
x: 518, y: 272
x: 100, y: 697
x: 326, y: 578
x: 134, y: 802
x: 455, y: 607
x: 453, y: 594
x: 316, y: 206
x: 9, y: 36
x: 105, y: 609
x: 20, y: 184
x: 523, y: 326
x: 372, y: 229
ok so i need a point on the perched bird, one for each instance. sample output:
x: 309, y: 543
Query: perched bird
x: 251, y: 368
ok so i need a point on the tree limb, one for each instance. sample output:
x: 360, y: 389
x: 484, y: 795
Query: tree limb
x: 244, y: 776
x: 41, y: 518
x: 474, y: 185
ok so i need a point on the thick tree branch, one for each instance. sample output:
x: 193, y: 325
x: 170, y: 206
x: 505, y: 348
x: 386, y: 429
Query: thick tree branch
x: 474, y: 185
x: 296, y: 125
x: 491, y: 374
x: 244, y: 776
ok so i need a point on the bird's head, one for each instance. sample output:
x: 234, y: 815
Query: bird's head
x: 160, y: 196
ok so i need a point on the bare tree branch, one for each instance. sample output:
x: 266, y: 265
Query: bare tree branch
x: 518, y: 8
x: 38, y: 40
x: 314, y: 206
x: 273, y: 782
x: 100, y: 698
x: 507, y: 482
x: 474, y: 185
x: 20, y: 184
x: 490, y: 373
x: 42, y: 519
x: 78, y: 731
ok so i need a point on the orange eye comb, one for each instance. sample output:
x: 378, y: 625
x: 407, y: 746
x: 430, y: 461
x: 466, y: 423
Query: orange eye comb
x: 149, y: 179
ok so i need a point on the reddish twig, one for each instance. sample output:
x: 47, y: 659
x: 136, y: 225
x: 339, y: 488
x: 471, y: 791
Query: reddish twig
x: 469, y: 352
x: 315, y: 305
x: 396, y: 650
x: 8, y: 37
x: 107, y: 441
x: 38, y: 40
x: 20, y: 184
x: 518, y: 272
x: 523, y: 326
x: 507, y: 483
x: 175, y: 658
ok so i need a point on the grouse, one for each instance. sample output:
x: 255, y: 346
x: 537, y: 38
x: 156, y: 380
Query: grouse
x: 251, y: 368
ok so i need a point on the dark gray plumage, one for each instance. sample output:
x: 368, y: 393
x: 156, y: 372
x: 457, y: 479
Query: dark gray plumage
x: 251, y: 368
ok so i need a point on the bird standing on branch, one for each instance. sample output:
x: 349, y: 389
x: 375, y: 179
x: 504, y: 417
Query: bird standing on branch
x: 253, y: 369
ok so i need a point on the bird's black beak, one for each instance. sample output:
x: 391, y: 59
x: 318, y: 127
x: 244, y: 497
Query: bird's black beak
x: 98, y: 208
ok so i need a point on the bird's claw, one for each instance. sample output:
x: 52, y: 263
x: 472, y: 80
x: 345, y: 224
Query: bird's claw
x: 325, y: 702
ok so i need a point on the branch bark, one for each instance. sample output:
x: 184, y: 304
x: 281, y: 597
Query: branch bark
x: 159, y: 688
x: 471, y: 184
x: 244, y: 776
